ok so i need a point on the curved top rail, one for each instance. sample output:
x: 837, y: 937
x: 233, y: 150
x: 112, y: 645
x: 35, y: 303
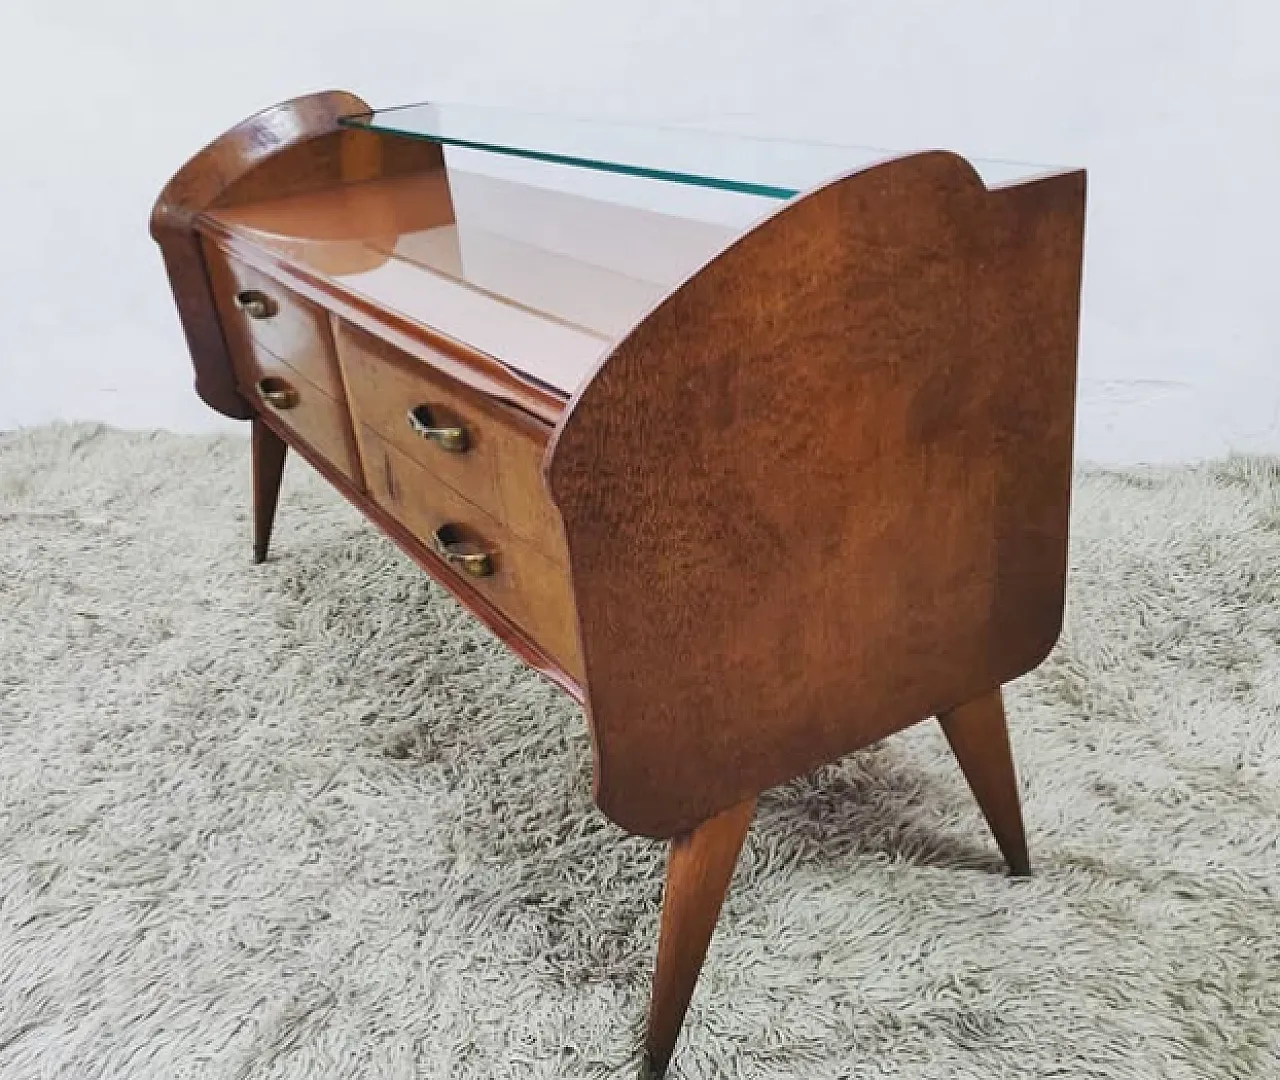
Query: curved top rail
x: 290, y: 148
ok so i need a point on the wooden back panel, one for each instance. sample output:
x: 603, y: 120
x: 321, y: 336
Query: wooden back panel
x: 289, y: 149
x: 822, y: 491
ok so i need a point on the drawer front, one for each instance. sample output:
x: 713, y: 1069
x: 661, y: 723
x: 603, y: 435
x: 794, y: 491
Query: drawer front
x: 490, y: 454
x: 287, y: 326
x: 320, y: 421
x: 532, y: 590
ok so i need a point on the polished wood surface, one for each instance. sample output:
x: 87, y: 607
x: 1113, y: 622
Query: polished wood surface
x: 500, y: 468
x: 541, y: 280
x: 312, y: 414
x: 458, y: 359
x: 699, y: 869
x: 979, y: 737
x: 293, y: 329
x: 269, y: 451
x: 497, y: 495
x: 290, y: 148
x: 828, y: 505
x: 315, y: 413
x: 459, y: 586
x: 529, y: 588
x: 757, y: 496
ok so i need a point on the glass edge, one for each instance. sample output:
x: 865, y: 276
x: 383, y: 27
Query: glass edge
x: 369, y: 121
x: 739, y: 187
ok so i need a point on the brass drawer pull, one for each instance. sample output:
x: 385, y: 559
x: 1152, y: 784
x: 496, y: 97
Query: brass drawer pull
x: 451, y: 437
x: 277, y: 393
x: 255, y: 304
x: 466, y: 555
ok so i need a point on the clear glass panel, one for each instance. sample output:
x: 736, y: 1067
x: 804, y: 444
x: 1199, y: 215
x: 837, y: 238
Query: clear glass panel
x: 769, y: 168
x: 539, y: 265
x: 540, y: 278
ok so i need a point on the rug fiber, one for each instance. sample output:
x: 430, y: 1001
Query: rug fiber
x: 309, y: 820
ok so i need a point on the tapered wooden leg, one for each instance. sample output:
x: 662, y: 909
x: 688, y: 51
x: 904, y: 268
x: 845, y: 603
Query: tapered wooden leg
x: 699, y: 868
x: 979, y: 738
x: 268, y: 468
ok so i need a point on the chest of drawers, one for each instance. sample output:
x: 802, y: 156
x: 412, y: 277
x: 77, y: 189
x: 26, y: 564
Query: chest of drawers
x: 759, y: 474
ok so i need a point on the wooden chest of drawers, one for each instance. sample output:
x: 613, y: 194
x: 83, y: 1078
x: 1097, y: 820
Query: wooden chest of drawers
x: 758, y: 483
x: 284, y: 362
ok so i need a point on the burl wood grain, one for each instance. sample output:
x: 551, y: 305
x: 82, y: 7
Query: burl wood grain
x: 821, y: 492
x: 526, y: 586
x: 288, y: 149
x: 501, y: 468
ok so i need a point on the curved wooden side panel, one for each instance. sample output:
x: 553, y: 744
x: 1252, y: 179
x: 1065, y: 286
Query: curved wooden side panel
x: 288, y: 149
x: 821, y: 492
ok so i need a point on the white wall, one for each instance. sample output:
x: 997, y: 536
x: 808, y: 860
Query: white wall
x: 1173, y: 106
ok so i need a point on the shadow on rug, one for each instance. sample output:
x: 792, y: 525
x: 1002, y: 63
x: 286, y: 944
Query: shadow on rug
x: 308, y: 820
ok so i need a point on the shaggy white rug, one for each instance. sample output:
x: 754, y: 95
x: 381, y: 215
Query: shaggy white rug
x: 307, y: 820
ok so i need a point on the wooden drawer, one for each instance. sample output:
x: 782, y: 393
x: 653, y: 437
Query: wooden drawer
x: 497, y: 463
x: 302, y: 388
x: 286, y: 325
x: 316, y: 418
x: 532, y: 590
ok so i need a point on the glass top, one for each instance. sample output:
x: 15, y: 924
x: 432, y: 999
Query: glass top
x: 770, y: 168
x: 542, y: 279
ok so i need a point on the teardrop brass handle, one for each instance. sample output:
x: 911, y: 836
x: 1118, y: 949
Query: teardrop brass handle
x: 451, y: 437
x: 277, y: 393
x: 467, y: 555
x: 256, y: 304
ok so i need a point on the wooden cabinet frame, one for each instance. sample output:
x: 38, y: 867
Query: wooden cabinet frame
x: 818, y: 494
